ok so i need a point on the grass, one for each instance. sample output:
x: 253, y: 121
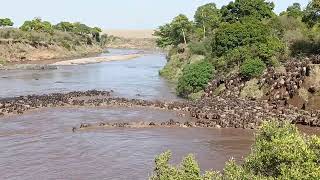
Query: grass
x: 173, y: 69
x: 3, y: 61
x: 252, y: 90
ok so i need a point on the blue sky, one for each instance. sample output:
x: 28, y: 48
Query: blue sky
x: 111, y: 14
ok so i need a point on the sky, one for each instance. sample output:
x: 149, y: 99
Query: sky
x: 111, y: 14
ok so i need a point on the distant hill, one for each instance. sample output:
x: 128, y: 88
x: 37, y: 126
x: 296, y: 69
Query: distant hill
x: 131, y: 34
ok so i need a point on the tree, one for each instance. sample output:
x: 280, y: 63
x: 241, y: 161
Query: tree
x: 249, y: 39
x: 37, y: 25
x: 293, y: 11
x: 208, y: 18
x: 312, y: 13
x: 174, y: 33
x: 96, y: 33
x: 181, y: 27
x: 248, y: 32
x: 64, y: 26
x: 81, y: 29
x: 164, y: 36
x: 258, y: 9
x: 6, y: 22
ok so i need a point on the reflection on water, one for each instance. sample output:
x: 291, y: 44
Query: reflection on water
x: 42, y: 145
x: 132, y: 78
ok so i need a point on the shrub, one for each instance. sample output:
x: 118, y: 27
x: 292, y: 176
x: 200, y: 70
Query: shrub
x: 272, y: 48
x: 172, y: 70
x: 188, y: 169
x: 252, y: 67
x: 248, y: 32
x: 279, y: 152
x: 195, y: 77
x: 197, y: 48
x: 238, y: 55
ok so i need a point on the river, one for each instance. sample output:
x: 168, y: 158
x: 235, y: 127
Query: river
x: 41, y: 145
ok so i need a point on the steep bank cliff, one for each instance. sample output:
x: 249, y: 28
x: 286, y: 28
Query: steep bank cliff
x: 21, y: 52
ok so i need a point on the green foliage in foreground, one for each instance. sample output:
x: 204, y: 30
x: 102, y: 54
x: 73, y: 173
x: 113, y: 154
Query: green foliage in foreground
x: 195, y: 77
x: 279, y: 152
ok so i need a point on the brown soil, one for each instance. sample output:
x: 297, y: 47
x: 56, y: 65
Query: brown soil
x: 132, y: 39
x: 23, y: 53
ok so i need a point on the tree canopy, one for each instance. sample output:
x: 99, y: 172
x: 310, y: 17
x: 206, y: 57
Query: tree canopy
x: 207, y: 18
x: 6, y: 22
x: 294, y: 10
x: 312, y: 13
x: 37, y: 25
x: 174, y: 33
x: 64, y: 26
x: 258, y: 9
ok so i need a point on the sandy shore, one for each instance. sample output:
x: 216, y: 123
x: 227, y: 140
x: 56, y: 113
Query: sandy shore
x: 131, y: 33
x: 98, y: 59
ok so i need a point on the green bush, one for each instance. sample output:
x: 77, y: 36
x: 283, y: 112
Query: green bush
x: 238, y: 55
x: 172, y: 70
x: 198, y: 48
x: 248, y: 32
x: 188, y: 169
x: 271, y: 48
x: 252, y: 67
x: 279, y: 152
x: 195, y: 77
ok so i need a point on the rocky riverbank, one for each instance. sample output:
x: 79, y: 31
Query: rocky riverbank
x: 211, y: 112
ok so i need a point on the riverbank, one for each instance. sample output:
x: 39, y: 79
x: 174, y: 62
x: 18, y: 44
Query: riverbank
x: 22, y: 53
x: 51, y: 64
x: 98, y: 59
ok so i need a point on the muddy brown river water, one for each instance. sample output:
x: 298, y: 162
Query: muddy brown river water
x: 41, y: 145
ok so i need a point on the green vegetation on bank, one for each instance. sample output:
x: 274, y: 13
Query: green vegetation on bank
x: 244, y: 36
x: 65, y: 34
x: 195, y: 78
x: 280, y: 151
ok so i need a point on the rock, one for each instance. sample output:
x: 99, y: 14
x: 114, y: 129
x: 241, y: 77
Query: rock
x: 152, y: 124
x: 84, y: 125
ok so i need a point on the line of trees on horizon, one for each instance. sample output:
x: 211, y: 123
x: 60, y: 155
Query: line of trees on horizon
x: 38, y: 25
x: 70, y: 35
